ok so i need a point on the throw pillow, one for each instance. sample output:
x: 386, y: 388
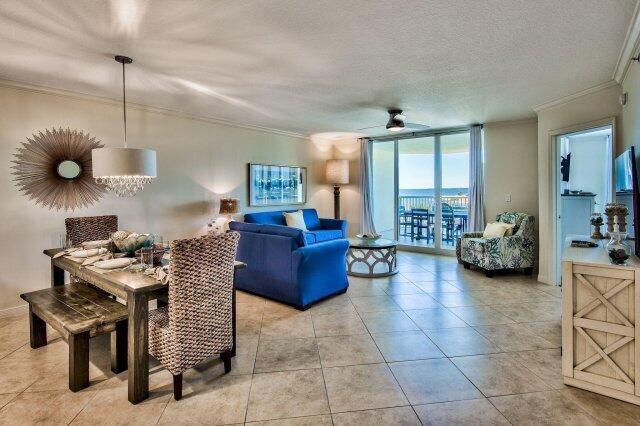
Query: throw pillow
x: 494, y: 229
x: 295, y: 220
x: 510, y: 227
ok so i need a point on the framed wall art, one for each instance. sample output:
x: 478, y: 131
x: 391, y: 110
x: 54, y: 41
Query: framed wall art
x: 271, y: 185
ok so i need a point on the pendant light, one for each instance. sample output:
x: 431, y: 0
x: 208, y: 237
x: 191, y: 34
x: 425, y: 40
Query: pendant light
x: 124, y: 171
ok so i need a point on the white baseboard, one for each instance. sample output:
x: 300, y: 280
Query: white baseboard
x: 16, y: 310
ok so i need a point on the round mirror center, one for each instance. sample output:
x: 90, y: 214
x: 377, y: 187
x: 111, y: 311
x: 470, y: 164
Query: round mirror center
x: 68, y: 169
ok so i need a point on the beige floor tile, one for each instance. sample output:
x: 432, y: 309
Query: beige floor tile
x: 249, y: 311
x: 338, y: 325
x: 294, y: 326
x: 452, y: 300
x: 416, y: 301
x: 433, y: 319
x: 461, y: 413
x: 5, y: 398
x: 287, y: 354
x: 404, y: 267
x: 247, y: 344
x: 248, y: 327
x: 365, y: 289
x: 362, y: 387
x: 514, y: 337
x: 380, y: 322
x: 10, y: 341
x: 324, y: 420
x: 338, y: 305
x: 273, y: 309
x: 480, y: 315
x: 551, y: 331
x: 406, y: 346
x: 401, y: 288
x: 348, y: 350
x: 111, y: 407
x: 53, y: 407
x: 433, y: 380
x: 544, y: 363
x: 604, y: 409
x: 417, y: 277
x: 219, y: 401
x: 499, y: 374
x: 374, y: 304
x: 530, y: 312
x: 437, y: 287
x: 461, y: 342
x: 548, y: 408
x: 287, y: 394
x: 397, y: 416
x: 242, y: 297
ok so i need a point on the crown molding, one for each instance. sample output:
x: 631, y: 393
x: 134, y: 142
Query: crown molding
x: 34, y: 88
x: 630, y: 47
x: 517, y: 121
x: 569, y: 98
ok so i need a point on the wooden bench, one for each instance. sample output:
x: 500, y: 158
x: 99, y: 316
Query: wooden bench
x: 78, y: 313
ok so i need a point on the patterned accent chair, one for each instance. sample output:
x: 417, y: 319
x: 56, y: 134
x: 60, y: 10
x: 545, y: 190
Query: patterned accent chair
x: 197, y: 323
x: 511, y: 252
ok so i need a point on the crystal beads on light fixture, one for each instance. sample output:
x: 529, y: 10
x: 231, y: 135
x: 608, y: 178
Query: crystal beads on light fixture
x: 124, y: 171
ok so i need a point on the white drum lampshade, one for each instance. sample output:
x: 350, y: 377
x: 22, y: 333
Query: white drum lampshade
x: 124, y: 171
x: 337, y: 172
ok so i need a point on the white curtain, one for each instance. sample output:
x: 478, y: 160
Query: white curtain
x: 476, y: 181
x: 607, y: 196
x: 366, y: 209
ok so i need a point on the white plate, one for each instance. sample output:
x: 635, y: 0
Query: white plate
x: 113, y: 263
x: 88, y: 253
x: 95, y: 244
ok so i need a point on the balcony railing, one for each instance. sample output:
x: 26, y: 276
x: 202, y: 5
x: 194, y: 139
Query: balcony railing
x: 410, y: 202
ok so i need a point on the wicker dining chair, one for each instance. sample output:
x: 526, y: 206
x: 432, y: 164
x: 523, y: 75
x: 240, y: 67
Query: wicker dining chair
x: 197, y: 322
x: 90, y: 228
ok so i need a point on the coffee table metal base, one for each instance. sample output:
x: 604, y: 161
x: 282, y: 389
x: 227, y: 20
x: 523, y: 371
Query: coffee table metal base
x: 370, y: 258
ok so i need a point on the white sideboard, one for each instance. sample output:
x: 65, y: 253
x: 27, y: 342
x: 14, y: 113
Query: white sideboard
x: 600, y: 322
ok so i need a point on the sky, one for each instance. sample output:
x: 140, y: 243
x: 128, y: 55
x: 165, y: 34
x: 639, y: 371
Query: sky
x: 415, y: 171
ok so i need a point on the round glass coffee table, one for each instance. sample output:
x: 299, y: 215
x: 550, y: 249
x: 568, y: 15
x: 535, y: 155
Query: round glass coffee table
x: 372, y: 258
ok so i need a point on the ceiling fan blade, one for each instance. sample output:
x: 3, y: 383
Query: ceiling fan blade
x: 372, y: 127
x: 416, y: 126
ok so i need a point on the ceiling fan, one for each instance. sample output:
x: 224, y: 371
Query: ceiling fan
x: 396, y: 123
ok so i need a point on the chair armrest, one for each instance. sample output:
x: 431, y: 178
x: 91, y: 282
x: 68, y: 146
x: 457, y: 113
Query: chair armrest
x: 335, y: 224
x: 472, y: 235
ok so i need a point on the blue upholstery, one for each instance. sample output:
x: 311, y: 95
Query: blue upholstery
x: 289, y: 265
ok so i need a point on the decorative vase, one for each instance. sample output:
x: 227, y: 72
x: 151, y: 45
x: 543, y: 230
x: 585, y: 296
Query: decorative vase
x: 617, y: 249
x: 596, y: 222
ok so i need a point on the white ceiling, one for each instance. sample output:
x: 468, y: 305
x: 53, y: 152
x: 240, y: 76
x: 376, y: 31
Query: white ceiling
x: 317, y: 66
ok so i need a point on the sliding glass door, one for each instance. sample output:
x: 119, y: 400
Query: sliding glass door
x: 421, y: 188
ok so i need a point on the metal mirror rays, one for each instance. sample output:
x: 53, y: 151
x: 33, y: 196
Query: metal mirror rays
x: 53, y: 168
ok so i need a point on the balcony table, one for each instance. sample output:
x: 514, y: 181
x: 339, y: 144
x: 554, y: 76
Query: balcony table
x: 137, y: 289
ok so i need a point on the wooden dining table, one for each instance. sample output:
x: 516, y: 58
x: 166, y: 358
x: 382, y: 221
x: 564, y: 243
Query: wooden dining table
x: 137, y: 289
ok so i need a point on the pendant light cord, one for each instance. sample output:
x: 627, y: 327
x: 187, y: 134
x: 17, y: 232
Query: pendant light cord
x: 124, y: 106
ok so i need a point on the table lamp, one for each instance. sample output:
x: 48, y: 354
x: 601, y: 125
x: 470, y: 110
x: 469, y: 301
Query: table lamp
x: 228, y: 207
x: 337, y: 173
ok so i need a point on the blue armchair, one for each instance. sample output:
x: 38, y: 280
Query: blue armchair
x: 289, y: 265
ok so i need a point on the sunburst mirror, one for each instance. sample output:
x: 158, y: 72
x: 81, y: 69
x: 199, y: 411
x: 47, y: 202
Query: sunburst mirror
x: 53, y: 168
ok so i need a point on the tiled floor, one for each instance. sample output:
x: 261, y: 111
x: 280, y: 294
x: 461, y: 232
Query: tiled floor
x: 435, y: 344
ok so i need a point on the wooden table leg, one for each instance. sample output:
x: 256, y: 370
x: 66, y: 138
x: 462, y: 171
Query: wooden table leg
x: 57, y: 275
x: 138, y: 346
x: 37, y: 330
x: 119, y: 340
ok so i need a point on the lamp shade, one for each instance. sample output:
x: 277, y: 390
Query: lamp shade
x: 229, y: 205
x: 109, y: 162
x: 337, y: 171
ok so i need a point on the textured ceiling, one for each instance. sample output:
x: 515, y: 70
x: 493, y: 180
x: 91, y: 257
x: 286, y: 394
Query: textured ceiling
x: 318, y: 66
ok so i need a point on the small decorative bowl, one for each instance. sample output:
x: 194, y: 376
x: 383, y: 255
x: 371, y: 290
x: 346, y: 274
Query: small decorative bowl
x: 369, y: 237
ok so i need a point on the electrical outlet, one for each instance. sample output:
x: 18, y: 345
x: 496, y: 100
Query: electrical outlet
x: 507, y: 198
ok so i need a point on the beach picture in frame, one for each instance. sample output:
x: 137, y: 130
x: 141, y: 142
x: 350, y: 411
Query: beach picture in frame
x: 271, y: 185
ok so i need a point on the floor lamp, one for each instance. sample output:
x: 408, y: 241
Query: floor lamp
x: 337, y: 173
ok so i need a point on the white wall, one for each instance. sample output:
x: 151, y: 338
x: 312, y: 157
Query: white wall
x: 588, y: 167
x: 197, y: 160
x: 631, y: 111
x: 585, y: 109
x: 511, y: 167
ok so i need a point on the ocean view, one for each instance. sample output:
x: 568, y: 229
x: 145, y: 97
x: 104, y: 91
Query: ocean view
x: 425, y: 192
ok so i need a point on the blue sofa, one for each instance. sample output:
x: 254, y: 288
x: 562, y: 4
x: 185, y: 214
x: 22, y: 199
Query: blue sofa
x: 289, y: 265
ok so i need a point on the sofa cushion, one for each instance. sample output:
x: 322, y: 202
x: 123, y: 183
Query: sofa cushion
x: 295, y: 219
x: 276, y: 217
x: 325, y: 235
x: 311, y: 219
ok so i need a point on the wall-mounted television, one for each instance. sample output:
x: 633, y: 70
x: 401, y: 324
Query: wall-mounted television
x: 626, y: 183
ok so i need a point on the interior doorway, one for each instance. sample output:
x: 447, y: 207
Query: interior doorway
x: 583, y: 183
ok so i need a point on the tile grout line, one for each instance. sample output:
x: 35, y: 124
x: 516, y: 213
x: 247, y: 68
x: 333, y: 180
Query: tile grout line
x: 246, y: 410
x: 324, y: 382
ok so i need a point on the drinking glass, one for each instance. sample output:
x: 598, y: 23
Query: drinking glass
x: 146, y: 257
x: 65, y: 241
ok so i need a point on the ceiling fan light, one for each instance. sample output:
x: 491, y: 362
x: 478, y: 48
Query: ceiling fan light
x: 395, y: 128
